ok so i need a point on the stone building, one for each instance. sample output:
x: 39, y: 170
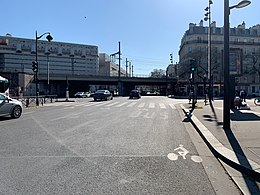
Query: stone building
x: 244, y: 55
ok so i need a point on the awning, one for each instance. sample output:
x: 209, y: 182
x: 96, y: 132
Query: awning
x: 3, y: 80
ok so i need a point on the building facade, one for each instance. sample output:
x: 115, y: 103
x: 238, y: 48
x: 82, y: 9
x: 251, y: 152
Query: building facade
x: 108, y: 67
x: 54, y: 58
x: 244, y: 55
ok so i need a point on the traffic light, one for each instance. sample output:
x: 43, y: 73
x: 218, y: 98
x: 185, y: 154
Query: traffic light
x: 193, y: 65
x: 171, y: 58
x: 35, y: 66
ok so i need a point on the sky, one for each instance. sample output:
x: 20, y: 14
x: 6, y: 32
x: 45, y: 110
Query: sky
x: 148, y: 30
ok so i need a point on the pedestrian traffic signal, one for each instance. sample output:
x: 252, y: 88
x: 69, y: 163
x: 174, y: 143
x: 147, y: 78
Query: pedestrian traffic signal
x: 35, y: 66
x: 193, y: 65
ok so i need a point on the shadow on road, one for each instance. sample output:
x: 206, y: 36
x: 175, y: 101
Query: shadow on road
x: 241, y: 116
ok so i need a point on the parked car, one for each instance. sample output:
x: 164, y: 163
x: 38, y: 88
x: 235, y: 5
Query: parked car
x: 82, y: 94
x: 10, y: 107
x: 102, y: 95
x: 134, y: 94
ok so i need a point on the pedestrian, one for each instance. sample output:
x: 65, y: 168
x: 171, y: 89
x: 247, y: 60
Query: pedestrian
x: 190, y: 96
x: 237, y: 102
x: 242, y: 94
x: 245, y: 95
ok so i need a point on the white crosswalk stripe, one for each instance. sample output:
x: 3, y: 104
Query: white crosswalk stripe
x: 101, y: 103
x: 162, y: 105
x: 141, y: 105
x: 112, y: 104
x: 119, y: 105
x: 131, y: 104
x: 152, y: 105
x: 172, y: 106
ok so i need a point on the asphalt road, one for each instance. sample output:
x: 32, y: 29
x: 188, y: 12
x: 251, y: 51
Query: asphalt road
x: 120, y: 146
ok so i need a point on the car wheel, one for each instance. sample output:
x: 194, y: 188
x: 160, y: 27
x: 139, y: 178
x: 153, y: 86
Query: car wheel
x: 17, y: 112
x: 95, y: 99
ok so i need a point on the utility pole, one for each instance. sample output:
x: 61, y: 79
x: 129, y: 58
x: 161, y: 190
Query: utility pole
x: 130, y: 69
x: 119, y: 63
x: 126, y: 67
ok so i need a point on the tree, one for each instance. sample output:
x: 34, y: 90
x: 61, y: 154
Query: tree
x: 158, y: 73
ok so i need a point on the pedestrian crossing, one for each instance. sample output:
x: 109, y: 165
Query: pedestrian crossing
x: 119, y: 104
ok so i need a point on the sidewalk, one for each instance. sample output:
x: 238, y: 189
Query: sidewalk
x: 238, y: 147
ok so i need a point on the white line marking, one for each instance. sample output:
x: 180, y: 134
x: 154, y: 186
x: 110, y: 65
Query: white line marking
x: 112, y: 104
x: 172, y: 106
x: 162, y: 105
x: 119, y: 105
x: 151, y: 105
x: 141, y: 105
x: 132, y: 104
x: 101, y: 103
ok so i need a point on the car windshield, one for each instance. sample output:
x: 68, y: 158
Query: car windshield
x: 100, y: 91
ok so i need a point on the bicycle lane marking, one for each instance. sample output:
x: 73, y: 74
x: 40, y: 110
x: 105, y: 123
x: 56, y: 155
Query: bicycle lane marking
x: 183, y: 152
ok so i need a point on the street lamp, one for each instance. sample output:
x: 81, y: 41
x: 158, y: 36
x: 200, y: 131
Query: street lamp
x: 226, y: 106
x: 208, y: 18
x: 36, y: 64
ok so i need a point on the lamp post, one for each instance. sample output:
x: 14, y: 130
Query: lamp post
x: 49, y: 38
x: 208, y: 17
x: 48, y: 73
x: 226, y: 105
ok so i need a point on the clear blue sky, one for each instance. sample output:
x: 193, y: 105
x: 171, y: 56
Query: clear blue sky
x: 149, y: 30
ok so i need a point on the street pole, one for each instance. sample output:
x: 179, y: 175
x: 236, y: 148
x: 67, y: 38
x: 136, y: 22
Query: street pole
x: 126, y: 67
x: 49, y: 38
x: 227, y: 93
x: 119, y: 69
x: 48, y: 73
x: 132, y: 70
x: 36, y: 73
x: 119, y: 63
x: 226, y: 109
x: 67, y: 88
x: 208, y: 17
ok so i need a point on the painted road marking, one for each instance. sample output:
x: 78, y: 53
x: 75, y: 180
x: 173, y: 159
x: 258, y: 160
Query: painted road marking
x: 162, y: 105
x: 141, y: 105
x: 119, y: 105
x: 112, y: 104
x: 151, y: 105
x: 172, y: 106
x: 183, y: 152
x: 132, y: 104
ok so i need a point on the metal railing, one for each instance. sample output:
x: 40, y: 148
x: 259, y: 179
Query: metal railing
x: 28, y: 101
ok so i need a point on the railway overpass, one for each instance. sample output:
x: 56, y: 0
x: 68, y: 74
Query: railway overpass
x: 76, y: 83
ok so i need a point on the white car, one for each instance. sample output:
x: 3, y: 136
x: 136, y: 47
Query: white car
x: 9, y: 106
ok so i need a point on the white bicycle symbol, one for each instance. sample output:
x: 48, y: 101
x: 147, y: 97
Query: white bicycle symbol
x: 183, y: 152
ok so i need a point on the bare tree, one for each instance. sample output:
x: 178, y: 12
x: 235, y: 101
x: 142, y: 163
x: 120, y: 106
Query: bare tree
x: 158, y: 73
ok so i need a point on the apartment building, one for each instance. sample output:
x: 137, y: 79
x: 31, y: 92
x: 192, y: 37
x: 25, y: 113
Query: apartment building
x: 244, y: 55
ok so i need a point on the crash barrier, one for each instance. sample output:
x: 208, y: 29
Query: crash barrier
x: 31, y: 100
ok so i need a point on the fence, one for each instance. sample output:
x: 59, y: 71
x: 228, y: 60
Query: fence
x: 31, y: 100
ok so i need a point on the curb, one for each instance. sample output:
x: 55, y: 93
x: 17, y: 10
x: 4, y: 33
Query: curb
x: 228, y: 156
